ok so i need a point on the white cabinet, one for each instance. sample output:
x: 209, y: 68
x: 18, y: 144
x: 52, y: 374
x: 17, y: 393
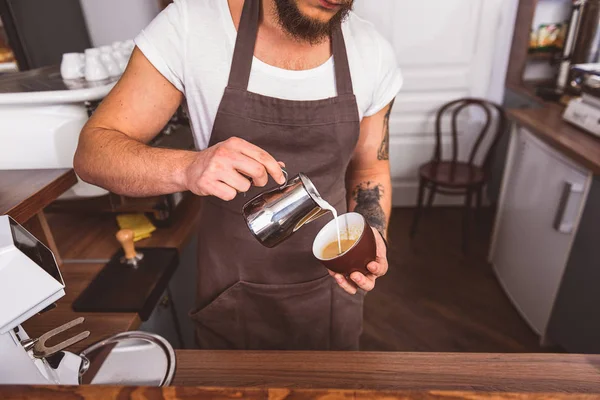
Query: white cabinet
x: 540, y: 206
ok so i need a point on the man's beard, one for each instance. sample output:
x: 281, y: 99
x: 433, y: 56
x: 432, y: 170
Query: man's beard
x: 308, y: 29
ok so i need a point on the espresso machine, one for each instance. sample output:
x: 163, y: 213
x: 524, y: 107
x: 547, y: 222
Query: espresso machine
x: 30, y: 283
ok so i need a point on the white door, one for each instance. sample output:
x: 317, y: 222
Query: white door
x: 447, y: 49
x: 543, y: 198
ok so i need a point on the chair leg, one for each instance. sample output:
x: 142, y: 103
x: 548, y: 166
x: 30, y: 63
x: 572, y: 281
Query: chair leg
x: 466, y: 217
x: 418, y: 211
x: 431, y: 196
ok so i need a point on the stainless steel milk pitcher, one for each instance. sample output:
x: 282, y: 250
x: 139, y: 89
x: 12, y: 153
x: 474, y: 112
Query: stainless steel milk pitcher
x: 275, y: 215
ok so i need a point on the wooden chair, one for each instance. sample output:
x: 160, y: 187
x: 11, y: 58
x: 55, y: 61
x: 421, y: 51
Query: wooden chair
x: 454, y: 177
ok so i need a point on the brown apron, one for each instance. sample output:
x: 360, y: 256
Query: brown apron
x: 250, y: 297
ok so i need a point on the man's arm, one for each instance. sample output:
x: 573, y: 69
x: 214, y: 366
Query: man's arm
x: 113, y: 151
x: 369, y: 189
x: 368, y: 179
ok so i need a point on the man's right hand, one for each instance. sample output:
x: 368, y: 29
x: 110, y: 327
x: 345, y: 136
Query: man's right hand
x: 231, y: 167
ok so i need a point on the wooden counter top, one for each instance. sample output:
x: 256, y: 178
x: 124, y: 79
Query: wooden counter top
x: 355, y: 375
x: 390, y: 371
x: 173, y: 393
x: 546, y: 122
x: 548, y: 125
x: 24, y: 193
x: 91, y: 239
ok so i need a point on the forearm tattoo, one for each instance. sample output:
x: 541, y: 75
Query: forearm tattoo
x: 384, y: 148
x: 368, y: 197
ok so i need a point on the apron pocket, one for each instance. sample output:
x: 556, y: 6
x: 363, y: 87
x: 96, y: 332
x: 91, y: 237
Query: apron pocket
x: 218, y: 325
x: 255, y: 316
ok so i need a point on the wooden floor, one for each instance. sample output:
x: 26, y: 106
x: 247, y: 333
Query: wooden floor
x: 436, y: 299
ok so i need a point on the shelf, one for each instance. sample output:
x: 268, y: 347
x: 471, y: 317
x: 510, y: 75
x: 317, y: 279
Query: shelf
x: 544, y: 55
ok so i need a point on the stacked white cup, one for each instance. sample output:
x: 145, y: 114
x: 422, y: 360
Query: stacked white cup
x: 73, y: 66
x: 121, y: 55
x: 107, y: 58
x: 97, y: 63
x: 94, y: 68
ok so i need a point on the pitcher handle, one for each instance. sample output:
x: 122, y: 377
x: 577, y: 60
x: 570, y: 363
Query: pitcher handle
x: 285, y: 173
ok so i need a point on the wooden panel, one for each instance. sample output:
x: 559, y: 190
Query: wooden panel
x: 24, y: 193
x: 173, y: 393
x: 422, y: 126
x: 431, y: 79
x: 425, y: 103
x: 520, y: 44
x: 390, y: 371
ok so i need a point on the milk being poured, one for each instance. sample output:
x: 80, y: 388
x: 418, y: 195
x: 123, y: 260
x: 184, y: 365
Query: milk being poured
x: 326, y: 206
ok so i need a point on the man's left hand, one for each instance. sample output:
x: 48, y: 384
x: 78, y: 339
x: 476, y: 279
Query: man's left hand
x: 376, y: 268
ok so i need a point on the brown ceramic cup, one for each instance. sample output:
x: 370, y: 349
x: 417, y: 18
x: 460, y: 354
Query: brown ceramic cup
x: 352, y: 226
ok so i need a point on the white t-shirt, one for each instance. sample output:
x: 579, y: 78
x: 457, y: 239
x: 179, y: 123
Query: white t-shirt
x: 191, y: 43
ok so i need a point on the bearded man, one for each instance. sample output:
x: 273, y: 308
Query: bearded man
x: 301, y: 83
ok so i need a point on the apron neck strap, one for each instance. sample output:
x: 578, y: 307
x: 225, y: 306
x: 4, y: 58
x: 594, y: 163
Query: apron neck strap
x: 241, y: 65
x: 343, y: 80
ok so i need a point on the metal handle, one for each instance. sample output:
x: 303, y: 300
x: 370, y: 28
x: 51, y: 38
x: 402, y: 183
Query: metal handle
x: 561, y: 223
x: 40, y: 350
x: 285, y: 173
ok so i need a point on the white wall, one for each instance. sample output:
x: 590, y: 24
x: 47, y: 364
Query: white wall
x: 447, y: 49
x: 117, y: 20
